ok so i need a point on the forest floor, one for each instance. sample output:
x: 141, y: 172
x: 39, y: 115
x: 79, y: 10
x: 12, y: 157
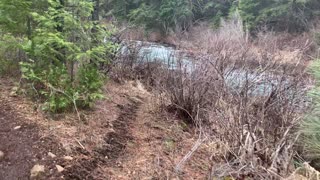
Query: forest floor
x: 126, y: 136
x: 20, y: 141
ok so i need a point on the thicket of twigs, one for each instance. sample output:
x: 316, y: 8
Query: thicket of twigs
x: 243, y: 95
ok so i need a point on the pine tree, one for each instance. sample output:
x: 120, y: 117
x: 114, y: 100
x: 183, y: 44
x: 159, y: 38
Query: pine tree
x: 56, y: 35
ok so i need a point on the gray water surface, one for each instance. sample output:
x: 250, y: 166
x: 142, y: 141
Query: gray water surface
x: 174, y: 59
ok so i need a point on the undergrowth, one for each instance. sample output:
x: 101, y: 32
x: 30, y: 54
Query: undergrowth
x: 238, y: 92
x: 310, y: 127
x: 59, y: 53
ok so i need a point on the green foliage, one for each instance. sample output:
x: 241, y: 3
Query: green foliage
x: 279, y: 15
x: 166, y: 15
x: 310, y: 127
x: 250, y: 11
x: 119, y: 8
x: 63, y: 38
x: 65, y: 48
x: 59, y: 35
x: 163, y: 15
x: 212, y: 11
x: 55, y: 86
x: 90, y: 83
x: 57, y: 89
x: 10, y: 54
x: 14, y: 15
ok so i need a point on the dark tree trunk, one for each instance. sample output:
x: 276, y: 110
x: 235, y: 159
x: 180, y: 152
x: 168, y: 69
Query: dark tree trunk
x: 96, y: 10
x: 95, y: 19
x: 60, y: 28
x: 60, y: 20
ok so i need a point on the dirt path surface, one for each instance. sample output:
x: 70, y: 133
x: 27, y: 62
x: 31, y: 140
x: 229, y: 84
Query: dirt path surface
x: 21, y: 140
x: 123, y: 137
x: 21, y: 144
x: 156, y: 142
x: 114, y: 146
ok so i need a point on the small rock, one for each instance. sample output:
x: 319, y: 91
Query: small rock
x: 68, y: 158
x: 17, y: 128
x: 106, y: 157
x: 37, y: 171
x: 1, y: 155
x: 67, y: 148
x: 13, y: 94
x: 59, y: 168
x: 52, y: 155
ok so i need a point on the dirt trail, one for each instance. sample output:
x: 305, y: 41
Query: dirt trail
x: 118, y: 139
x: 22, y: 147
x: 124, y: 137
x: 141, y: 159
x: 140, y: 143
x: 25, y: 147
x: 158, y: 142
x: 114, y: 147
x: 17, y: 145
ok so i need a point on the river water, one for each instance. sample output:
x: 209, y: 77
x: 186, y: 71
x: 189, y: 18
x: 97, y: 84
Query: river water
x: 174, y: 59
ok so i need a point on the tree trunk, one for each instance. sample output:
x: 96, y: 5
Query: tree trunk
x: 95, y: 19
x: 96, y: 10
x: 60, y: 28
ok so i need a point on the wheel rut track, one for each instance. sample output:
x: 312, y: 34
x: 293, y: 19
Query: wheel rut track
x: 117, y: 140
x: 114, y: 147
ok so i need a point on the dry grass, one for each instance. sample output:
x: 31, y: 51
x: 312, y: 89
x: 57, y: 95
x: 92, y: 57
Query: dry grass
x: 306, y: 172
x: 254, y: 120
x: 159, y: 140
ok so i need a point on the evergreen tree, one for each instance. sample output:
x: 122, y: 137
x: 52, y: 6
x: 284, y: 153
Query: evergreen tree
x: 57, y: 35
x: 279, y: 15
x: 166, y: 15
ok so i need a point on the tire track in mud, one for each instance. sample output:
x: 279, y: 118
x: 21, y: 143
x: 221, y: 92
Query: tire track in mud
x: 117, y: 140
x: 114, y: 147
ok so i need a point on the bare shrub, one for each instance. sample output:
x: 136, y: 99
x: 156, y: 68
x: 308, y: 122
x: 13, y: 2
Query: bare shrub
x: 132, y: 33
x: 238, y: 94
x: 252, y: 107
x: 130, y: 63
x: 248, y: 100
x: 125, y: 62
x: 204, y: 39
x: 257, y: 119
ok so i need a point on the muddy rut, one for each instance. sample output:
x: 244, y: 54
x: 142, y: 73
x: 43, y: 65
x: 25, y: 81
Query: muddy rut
x: 114, y: 147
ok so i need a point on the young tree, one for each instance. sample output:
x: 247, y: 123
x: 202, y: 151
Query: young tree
x: 14, y: 15
x: 58, y: 35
